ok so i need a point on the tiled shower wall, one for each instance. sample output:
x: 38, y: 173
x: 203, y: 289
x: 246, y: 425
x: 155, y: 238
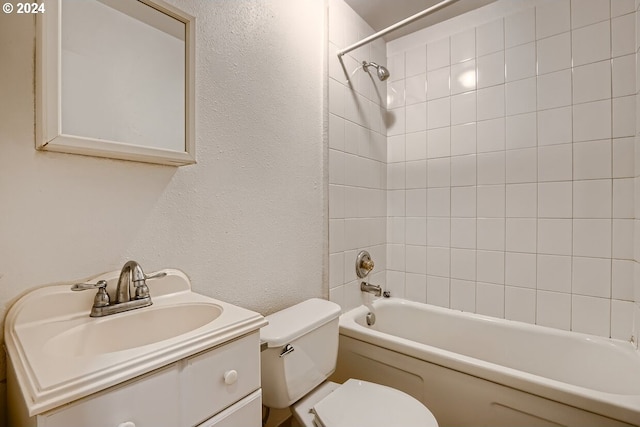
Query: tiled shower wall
x: 510, y: 165
x: 357, y: 156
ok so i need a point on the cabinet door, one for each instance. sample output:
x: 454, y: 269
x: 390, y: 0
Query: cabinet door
x: 245, y: 413
x: 147, y: 401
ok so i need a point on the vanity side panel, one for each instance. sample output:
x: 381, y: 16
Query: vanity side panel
x: 18, y: 413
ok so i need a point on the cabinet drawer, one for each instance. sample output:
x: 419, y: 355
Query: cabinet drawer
x: 148, y: 401
x: 246, y: 413
x: 214, y: 380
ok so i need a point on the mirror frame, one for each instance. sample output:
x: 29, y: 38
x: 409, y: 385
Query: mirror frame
x: 49, y: 136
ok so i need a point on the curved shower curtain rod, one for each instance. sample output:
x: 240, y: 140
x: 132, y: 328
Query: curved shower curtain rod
x: 394, y: 27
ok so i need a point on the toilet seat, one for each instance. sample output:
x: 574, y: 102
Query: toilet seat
x: 361, y: 403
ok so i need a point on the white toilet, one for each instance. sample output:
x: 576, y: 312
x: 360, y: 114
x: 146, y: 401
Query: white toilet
x: 302, y: 351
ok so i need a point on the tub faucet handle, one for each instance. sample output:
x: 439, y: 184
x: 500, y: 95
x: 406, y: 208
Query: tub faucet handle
x: 364, y: 264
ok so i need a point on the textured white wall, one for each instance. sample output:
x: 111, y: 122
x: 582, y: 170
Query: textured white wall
x: 246, y: 223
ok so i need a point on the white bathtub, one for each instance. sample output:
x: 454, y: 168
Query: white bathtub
x: 473, y: 370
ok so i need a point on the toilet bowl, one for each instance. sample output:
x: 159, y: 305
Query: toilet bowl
x: 302, y: 349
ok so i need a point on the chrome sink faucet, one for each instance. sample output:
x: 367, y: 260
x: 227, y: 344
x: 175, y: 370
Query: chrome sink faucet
x: 131, y: 274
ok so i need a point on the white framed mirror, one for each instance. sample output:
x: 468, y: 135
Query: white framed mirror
x: 116, y: 79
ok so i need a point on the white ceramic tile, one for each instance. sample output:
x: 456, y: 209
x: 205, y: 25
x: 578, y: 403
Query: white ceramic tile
x: 395, y: 64
x: 416, y: 88
x: 520, y: 28
x: 438, y: 54
x: 555, y: 199
x: 553, y: 18
x: 590, y: 315
x: 336, y: 201
x: 592, y: 121
x: 521, y: 131
x: 463, y: 202
x: 415, y: 174
x: 490, y: 299
x: 395, y: 284
x: 591, y: 43
x: 439, y: 142
x: 438, y: 113
x: 554, y: 273
x: 555, y: 126
x: 463, y: 139
x: 491, y: 135
x: 624, y: 116
x: 438, y: 261
x: 592, y: 82
x: 490, y: 37
x: 592, y: 198
x: 491, y: 168
x: 520, y: 62
x: 416, y: 231
x: 521, y: 234
x: 490, y: 266
x: 416, y: 146
x: 623, y: 75
x: 621, y: 320
x: 438, y: 83
x: 463, y: 295
x: 521, y: 96
x: 416, y: 117
x: 592, y: 238
x: 396, y: 94
x: 463, y: 46
x: 623, y: 203
x: 438, y: 232
x: 463, y: 108
x: 520, y: 269
x: 554, y: 90
x: 439, y: 202
x: 622, y: 279
x: 491, y: 102
x: 416, y: 259
x: 416, y: 287
x: 336, y: 98
x: 396, y: 229
x: 463, y: 264
x: 463, y: 170
x: 585, y: 12
x: 395, y: 122
x: 336, y: 235
x: 336, y: 269
x: 336, y: 167
x: 521, y: 166
x: 621, y: 7
x: 555, y: 162
x: 463, y: 77
x: 463, y: 233
x: 439, y: 172
x: 336, y: 132
x: 553, y: 310
x: 438, y: 291
x: 555, y: 236
x: 491, y: 69
x: 491, y: 201
x: 491, y: 234
x: 623, y: 35
x: 521, y: 200
x: 554, y: 53
x: 395, y: 203
x: 622, y: 245
x: 415, y: 61
x: 416, y: 202
x: 520, y: 304
x: 592, y: 159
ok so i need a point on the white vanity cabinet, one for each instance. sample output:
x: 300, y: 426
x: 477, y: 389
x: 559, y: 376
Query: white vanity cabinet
x: 217, y: 387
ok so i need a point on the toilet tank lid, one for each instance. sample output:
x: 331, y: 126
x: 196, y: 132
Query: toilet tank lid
x: 293, y: 322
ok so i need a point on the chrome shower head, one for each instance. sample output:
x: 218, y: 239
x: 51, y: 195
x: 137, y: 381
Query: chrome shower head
x: 383, y: 73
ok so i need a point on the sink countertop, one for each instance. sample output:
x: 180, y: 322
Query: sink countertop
x: 49, y: 379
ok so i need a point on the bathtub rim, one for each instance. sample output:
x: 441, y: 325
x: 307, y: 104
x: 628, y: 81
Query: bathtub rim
x: 621, y: 407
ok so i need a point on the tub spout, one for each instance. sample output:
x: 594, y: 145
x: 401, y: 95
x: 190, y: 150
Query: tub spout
x: 372, y: 289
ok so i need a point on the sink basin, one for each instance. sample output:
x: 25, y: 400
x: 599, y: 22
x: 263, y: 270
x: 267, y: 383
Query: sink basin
x: 134, y: 329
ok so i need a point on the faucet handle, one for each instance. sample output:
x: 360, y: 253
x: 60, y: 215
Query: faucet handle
x: 102, y: 297
x: 142, y: 290
x: 85, y: 286
x: 157, y: 275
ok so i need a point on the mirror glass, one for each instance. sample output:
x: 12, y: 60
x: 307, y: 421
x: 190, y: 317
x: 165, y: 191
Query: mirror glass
x: 117, y: 80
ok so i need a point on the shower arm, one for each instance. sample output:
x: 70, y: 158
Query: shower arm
x: 394, y: 27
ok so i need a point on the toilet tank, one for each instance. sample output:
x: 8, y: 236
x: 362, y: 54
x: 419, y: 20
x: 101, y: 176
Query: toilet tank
x: 302, y: 348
